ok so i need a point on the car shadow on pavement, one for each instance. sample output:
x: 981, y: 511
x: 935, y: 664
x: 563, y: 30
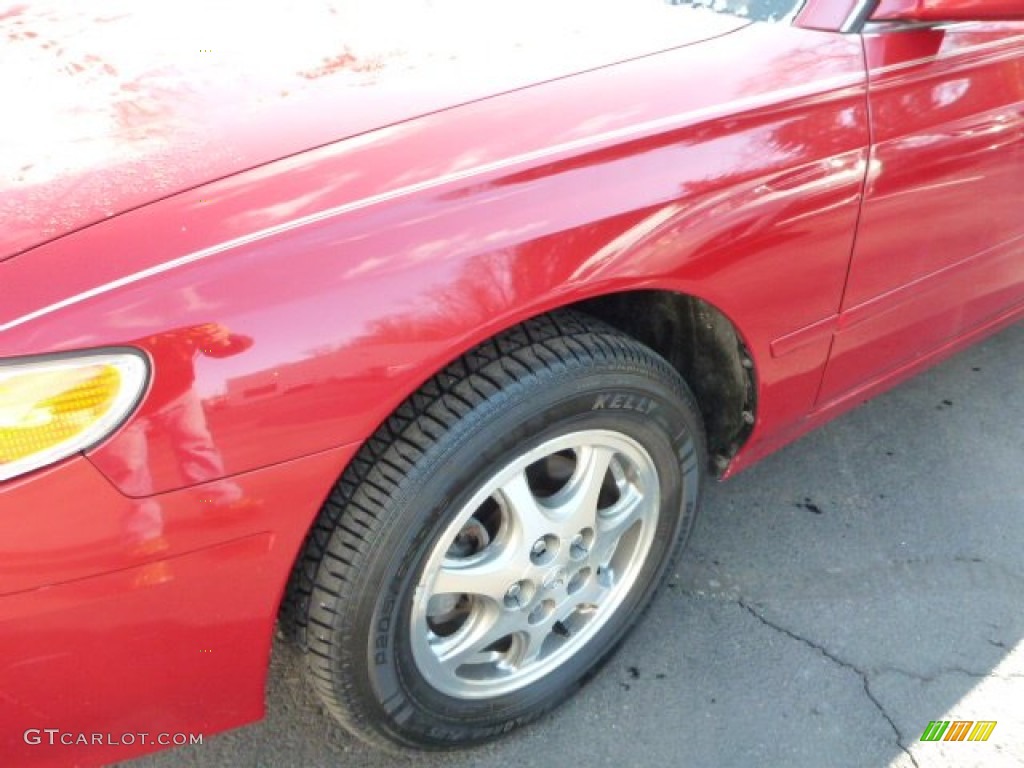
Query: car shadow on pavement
x: 834, y: 600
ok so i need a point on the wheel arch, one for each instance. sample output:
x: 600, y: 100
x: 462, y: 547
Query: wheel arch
x: 694, y: 335
x: 703, y: 344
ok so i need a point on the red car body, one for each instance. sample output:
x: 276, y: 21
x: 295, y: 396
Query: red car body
x: 362, y: 214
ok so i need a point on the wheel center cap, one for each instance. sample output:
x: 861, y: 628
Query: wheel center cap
x: 554, y: 579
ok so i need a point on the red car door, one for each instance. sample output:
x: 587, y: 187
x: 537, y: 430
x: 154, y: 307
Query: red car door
x: 940, y: 245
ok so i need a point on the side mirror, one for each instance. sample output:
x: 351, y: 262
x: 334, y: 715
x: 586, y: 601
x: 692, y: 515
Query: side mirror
x: 949, y: 10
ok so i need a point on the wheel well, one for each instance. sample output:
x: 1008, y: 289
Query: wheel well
x: 703, y: 345
x: 692, y: 335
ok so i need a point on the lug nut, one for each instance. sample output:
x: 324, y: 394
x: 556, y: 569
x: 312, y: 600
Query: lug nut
x: 544, y: 549
x: 518, y: 595
x: 578, y: 545
x: 513, y: 596
x: 581, y: 543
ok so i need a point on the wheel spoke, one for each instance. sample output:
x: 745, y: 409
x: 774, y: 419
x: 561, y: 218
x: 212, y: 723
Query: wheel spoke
x: 490, y: 577
x: 533, y: 638
x: 612, y: 524
x: 593, y: 592
x: 579, y: 509
x: 528, y: 516
x: 468, y: 647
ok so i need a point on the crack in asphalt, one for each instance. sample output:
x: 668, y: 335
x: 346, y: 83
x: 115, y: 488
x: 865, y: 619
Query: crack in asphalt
x: 950, y: 671
x: 839, y: 662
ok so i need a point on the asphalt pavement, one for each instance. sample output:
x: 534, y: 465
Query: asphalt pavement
x: 834, y: 600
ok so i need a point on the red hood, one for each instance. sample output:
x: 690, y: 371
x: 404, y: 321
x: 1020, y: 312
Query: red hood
x: 115, y: 103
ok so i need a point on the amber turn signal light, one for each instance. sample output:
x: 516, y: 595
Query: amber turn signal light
x: 52, y: 408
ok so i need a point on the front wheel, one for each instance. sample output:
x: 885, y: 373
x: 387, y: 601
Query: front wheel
x: 493, y: 542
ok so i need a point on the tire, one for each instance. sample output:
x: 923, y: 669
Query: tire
x: 492, y: 543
